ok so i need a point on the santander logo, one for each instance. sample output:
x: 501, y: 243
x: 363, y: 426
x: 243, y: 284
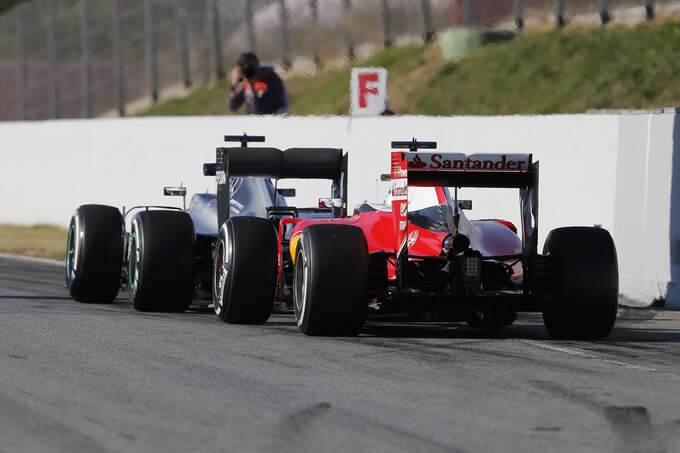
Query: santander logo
x: 472, y: 162
x: 416, y: 162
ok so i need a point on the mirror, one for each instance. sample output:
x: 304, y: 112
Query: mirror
x: 465, y: 204
x: 331, y: 203
x: 174, y: 191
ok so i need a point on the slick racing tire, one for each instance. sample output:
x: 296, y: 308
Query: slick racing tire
x: 331, y: 280
x: 585, y: 283
x: 94, y: 253
x: 161, y: 261
x: 244, y: 274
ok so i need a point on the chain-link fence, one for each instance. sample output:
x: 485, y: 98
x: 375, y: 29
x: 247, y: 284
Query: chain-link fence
x: 548, y: 12
x: 82, y: 58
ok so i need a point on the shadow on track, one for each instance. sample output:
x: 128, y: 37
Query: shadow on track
x: 629, y: 329
x: 35, y: 297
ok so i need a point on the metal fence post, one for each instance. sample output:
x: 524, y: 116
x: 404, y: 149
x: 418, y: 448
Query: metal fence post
x: 605, y: 14
x: 469, y: 13
x: 85, y: 50
x: 387, y: 25
x: 560, y: 21
x: 314, y: 10
x: 519, y: 14
x: 285, y: 36
x: 348, y: 35
x: 649, y: 9
x: 150, y: 49
x: 217, y: 39
x: 52, y: 53
x: 249, y: 23
x: 183, y: 43
x: 21, y: 58
x: 428, y: 28
x: 118, y: 59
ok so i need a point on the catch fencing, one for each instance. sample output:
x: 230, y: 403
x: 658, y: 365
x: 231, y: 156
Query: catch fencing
x: 85, y: 58
x: 489, y: 13
x: 81, y: 58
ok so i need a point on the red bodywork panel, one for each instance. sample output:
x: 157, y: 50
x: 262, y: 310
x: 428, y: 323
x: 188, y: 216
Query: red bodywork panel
x: 378, y: 227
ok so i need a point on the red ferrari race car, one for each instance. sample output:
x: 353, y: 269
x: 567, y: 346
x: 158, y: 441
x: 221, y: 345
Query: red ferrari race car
x: 431, y: 264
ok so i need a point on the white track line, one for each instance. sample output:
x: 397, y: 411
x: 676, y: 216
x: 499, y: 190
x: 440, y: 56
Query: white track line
x: 31, y: 259
x: 588, y: 355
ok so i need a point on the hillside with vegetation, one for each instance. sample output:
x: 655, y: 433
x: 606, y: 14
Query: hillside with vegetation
x: 567, y: 71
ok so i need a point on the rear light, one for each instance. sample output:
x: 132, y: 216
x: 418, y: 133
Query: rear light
x: 472, y: 268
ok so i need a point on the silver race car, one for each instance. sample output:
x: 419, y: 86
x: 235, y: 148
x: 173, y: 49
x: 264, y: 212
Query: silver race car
x: 165, y: 258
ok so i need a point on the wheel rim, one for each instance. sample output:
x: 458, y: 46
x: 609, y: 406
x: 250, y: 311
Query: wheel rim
x: 133, y: 262
x: 220, y: 272
x: 70, y: 254
x: 301, y: 278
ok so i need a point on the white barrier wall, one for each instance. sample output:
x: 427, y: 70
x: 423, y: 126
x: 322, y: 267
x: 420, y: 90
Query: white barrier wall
x: 609, y: 170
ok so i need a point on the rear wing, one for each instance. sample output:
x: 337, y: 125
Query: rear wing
x: 265, y: 162
x: 412, y: 167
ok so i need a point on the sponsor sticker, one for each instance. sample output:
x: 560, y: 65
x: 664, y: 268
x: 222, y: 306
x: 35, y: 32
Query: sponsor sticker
x: 403, y: 209
x: 400, y: 189
x: 463, y: 162
x: 412, y: 238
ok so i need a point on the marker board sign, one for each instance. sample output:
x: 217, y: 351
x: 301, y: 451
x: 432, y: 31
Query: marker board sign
x: 368, y: 91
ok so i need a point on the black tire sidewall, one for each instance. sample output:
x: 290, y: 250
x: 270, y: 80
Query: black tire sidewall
x: 337, y: 280
x: 249, y: 247
x: 584, y: 298
x: 98, y: 249
x: 165, y: 275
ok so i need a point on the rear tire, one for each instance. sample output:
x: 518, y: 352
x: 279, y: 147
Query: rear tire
x: 244, y: 274
x: 161, y: 261
x: 94, y: 254
x: 331, y: 280
x: 585, y: 283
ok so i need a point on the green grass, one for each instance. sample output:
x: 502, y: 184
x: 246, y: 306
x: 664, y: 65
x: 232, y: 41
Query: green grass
x: 44, y: 241
x: 566, y: 71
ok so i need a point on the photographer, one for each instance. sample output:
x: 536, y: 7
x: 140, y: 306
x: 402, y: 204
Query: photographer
x: 259, y: 87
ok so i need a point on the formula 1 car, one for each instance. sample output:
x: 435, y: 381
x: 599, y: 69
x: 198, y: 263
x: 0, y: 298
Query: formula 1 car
x: 431, y: 264
x: 253, y: 266
x: 165, y: 258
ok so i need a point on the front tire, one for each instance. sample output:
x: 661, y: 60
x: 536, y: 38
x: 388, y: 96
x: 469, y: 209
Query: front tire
x: 161, y: 261
x: 244, y: 274
x: 94, y: 254
x: 331, y: 280
x: 585, y: 283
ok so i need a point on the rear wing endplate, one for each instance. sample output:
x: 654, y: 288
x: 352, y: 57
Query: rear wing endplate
x: 265, y: 162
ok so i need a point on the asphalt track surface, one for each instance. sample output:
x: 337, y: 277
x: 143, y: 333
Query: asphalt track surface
x: 80, y: 377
